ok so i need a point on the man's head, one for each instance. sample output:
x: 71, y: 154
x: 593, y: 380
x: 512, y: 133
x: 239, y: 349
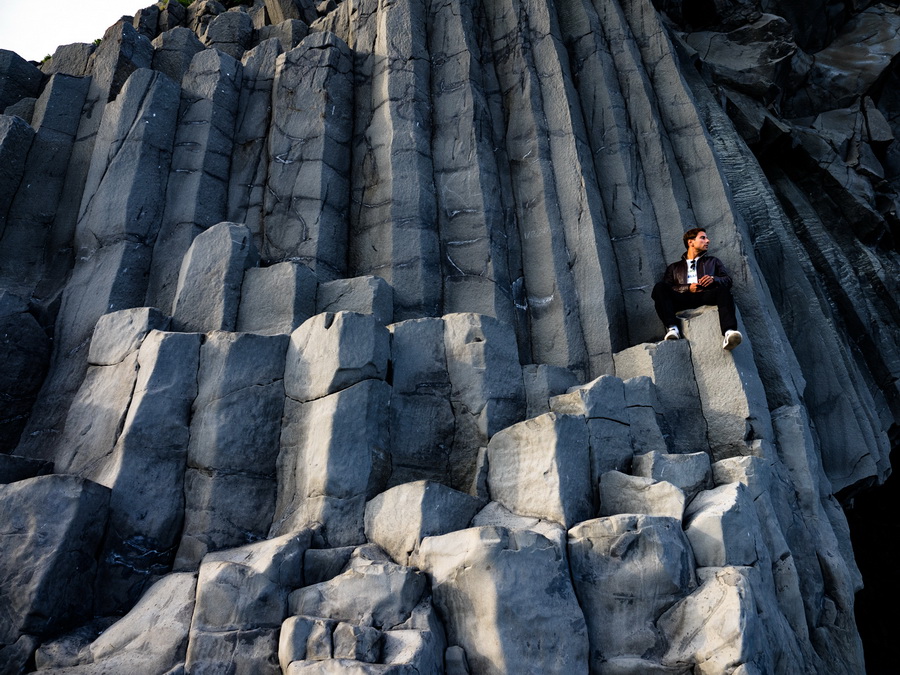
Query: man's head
x: 696, y: 242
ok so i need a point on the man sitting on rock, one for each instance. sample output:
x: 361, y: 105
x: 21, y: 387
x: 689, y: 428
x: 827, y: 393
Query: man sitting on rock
x: 697, y: 279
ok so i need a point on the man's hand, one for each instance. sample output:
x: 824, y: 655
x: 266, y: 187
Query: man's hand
x: 702, y: 284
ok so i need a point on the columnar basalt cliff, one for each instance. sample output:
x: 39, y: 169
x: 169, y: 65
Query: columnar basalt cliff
x: 327, y: 342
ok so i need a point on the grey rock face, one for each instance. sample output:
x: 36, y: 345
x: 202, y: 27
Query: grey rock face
x: 47, y: 574
x: 206, y: 241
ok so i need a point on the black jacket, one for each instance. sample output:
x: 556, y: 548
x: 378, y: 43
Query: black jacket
x: 676, y: 273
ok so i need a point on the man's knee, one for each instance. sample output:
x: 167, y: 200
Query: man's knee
x: 659, y: 290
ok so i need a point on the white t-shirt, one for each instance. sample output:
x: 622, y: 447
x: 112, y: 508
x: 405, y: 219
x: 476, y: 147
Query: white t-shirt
x: 692, y: 271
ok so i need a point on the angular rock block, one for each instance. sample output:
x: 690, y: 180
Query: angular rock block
x: 645, y: 416
x: 543, y: 382
x: 209, y: 283
x: 249, y: 162
x: 289, y: 33
x: 495, y: 515
x: 398, y: 519
x: 731, y: 393
x: 357, y: 643
x: 602, y: 403
x: 487, y: 391
x: 366, y: 295
x: 18, y: 78
x: 379, y: 594
x: 241, y: 604
x: 276, y: 299
x: 541, y: 468
x: 324, y: 564
x: 97, y: 413
x: 422, y: 421
x: 305, y: 638
x: 723, y: 527
x: 621, y: 493
x: 669, y: 365
x: 690, y: 473
x: 334, y: 455
x: 46, y: 572
x: 627, y: 570
x: 230, y: 33
x: 507, y: 599
x: 421, y: 651
x: 730, y: 620
x: 121, y: 333
x: 173, y: 51
x: 153, y: 636
x: 73, y: 59
x: 129, y: 168
x: 307, y: 187
x: 146, y: 469
x: 331, y: 352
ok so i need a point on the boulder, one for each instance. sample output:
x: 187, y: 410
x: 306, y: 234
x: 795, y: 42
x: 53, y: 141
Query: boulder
x: 507, y: 599
x: 627, y: 570
x: 358, y: 643
x: 690, y: 473
x: 723, y: 527
x: 289, y: 33
x: 539, y: 468
x: 422, y: 651
x: 209, y: 283
x: 18, y: 78
x: 378, y: 594
x: 47, y: 573
x: 398, y: 519
x: 621, y: 493
x: 305, y: 638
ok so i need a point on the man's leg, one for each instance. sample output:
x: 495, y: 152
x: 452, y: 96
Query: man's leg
x: 725, y: 303
x: 664, y: 301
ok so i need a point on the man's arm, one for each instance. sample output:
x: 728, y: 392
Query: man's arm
x: 720, y: 274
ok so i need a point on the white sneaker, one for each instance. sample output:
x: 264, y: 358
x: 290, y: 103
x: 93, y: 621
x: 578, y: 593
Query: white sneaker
x: 732, y: 339
x: 673, y: 333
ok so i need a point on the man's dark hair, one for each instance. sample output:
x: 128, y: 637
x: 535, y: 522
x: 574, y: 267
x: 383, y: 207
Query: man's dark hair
x: 692, y: 234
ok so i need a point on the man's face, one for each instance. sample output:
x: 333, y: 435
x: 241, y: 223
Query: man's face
x: 699, y: 243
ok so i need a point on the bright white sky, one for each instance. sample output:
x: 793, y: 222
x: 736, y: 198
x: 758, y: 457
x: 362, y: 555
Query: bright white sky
x: 35, y: 29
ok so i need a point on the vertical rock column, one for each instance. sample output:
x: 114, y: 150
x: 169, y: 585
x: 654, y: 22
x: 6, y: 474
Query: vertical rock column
x: 614, y: 112
x: 229, y: 487
x: 119, y: 218
x: 24, y: 245
x: 16, y: 137
x: 249, y: 161
x: 570, y: 276
x: 196, y: 197
x: 393, y: 223
x: 307, y: 193
x: 472, y: 216
x: 146, y: 470
x: 334, y: 439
